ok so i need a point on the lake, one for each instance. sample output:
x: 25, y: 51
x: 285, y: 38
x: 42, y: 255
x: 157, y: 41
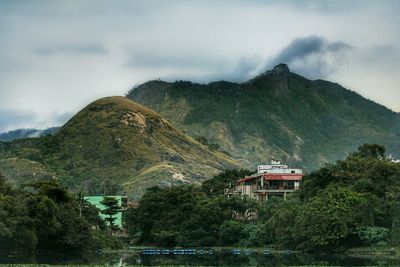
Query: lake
x: 199, y: 257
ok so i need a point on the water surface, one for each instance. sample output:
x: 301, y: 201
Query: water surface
x: 199, y: 257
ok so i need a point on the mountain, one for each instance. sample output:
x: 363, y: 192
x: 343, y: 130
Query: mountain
x: 26, y: 133
x: 114, y: 143
x: 277, y: 114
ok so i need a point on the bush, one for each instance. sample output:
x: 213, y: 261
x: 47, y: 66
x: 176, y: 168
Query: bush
x: 374, y: 236
x: 231, y: 232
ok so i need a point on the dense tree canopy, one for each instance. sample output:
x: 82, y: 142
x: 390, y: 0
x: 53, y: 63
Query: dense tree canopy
x: 45, y: 216
x: 354, y: 202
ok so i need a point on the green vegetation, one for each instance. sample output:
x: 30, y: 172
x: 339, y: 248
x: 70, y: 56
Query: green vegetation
x: 277, y: 114
x: 352, y: 203
x: 115, y: 210
x: 216, y: 186
x: 43, y: 215
x: 113, y: 146
x: 184, y: 216
x: 112, y: 208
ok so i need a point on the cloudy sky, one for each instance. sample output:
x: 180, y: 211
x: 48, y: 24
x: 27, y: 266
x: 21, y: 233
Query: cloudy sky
x: 57, y: 56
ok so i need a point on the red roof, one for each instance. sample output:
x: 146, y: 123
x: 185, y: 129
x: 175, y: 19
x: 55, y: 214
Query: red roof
x: 275, y: 177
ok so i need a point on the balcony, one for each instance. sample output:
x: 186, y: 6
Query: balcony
x: 266, y: 188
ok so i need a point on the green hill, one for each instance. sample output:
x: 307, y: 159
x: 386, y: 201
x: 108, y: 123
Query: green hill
x: 277, y: 114
x: 115, y: 144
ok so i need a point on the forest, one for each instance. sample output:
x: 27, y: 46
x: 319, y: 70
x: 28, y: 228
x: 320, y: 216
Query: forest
x: 45, y: 216
x: 352, y: 203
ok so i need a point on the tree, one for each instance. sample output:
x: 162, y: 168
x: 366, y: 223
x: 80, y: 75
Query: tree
x: 112, y: 208
x: 4, y: 187
x: 89, y: 212
x: 273, y: 213
x: 181, y: 215
x: 45, y: 216
x: 92, y: 215
x: 374, y: 236
x: 216, y: 185
x: 334, y: 215
x: 372, y: 151
x: 238, y: 208
x: 395, y: 229
x: 231, y: 232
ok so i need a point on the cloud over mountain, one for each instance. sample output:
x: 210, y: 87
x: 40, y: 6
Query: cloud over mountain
x: 12, y: 119
x: 314, y: 56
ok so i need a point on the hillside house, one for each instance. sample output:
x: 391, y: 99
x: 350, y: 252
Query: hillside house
x: 275, y: 179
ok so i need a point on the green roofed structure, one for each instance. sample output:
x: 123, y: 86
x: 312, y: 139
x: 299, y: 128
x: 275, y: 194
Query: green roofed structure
x: 96, y: 201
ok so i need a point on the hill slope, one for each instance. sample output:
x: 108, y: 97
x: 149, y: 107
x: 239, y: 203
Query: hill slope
x: 278, y: 114
x: 113, y: 142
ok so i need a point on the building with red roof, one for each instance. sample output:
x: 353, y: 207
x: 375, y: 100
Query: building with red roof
x: 275, y: 179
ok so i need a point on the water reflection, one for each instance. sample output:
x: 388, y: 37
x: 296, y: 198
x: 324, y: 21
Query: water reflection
x: 198, y: 257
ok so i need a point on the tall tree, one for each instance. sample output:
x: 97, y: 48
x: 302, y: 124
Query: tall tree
x: 112, y: 208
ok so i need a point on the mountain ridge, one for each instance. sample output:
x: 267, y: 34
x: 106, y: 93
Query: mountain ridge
x: 277, y: 114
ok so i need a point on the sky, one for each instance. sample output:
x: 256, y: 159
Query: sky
x: 58, y: 56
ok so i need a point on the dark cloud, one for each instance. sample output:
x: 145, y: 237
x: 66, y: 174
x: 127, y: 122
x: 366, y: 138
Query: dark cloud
x: 71, y: 49
x: 313, y: 56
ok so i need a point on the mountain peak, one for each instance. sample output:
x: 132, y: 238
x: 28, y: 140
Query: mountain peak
x: 281, y: 69
x: 120, y: 114
x: 118, y: 139
x: 280, y: 75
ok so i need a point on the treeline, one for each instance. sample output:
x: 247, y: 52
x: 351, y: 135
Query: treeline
x: 355, y: 202
x: 43, y: 215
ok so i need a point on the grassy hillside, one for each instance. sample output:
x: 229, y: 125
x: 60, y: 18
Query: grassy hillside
x: 278, y: 114
x: 115, y: 144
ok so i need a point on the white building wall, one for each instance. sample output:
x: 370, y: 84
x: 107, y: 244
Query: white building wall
x: 277, y: 169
